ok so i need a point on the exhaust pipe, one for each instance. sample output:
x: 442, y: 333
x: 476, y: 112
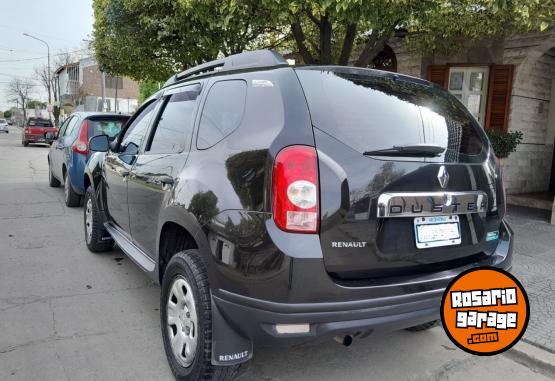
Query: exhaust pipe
x: 345, y: 340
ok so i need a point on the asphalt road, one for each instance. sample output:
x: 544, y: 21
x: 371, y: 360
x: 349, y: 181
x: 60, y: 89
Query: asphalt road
x: 68, y: 314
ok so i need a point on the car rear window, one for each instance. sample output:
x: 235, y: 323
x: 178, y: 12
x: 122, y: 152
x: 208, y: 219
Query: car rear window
x: 369, y: 111
x: 110, y: 127
x: 40, y: 123
x: 2, y: 120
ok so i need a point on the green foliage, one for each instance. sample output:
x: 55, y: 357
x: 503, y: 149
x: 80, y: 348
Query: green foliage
x: 147, y: 88
x: 152, y: 39
x: 35, y: 104
x: 504, y: 143
x: 7, y: 114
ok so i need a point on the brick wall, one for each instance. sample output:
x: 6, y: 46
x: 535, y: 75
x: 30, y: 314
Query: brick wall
x: 92, y: 80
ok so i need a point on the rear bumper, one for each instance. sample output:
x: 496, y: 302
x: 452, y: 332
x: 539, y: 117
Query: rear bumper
x: 36, y: 138
x: 413, y: 304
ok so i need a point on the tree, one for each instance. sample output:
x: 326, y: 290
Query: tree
x: 62, y: 58
x: 20, y: 89
x: 7, y: 114
x: 354, y: 32
x: 46, y: 79
x: 152, y: 39
x: 147, y: 88
x: 33, y: 103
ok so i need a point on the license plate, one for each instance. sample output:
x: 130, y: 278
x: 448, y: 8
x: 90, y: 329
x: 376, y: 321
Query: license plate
x: 437, y: 231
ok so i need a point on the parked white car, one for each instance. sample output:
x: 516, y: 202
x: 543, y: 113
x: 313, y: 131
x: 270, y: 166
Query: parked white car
x: 4, y: 126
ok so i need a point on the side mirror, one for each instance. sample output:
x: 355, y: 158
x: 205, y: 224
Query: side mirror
x: 99, y: 143
x: 51, y: 136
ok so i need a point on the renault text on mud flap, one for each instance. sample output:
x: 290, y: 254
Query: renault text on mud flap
x: 348, y: 244
x: 234, y: 356
x: 428, y: 204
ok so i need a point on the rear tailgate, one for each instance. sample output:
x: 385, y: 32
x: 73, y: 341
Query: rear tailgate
x: 388, y: 215
x: 39, y: 127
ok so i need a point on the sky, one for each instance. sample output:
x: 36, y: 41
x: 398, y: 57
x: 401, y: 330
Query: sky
x: 63, y: 24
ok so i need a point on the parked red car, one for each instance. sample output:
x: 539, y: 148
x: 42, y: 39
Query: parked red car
x: 35, y: 131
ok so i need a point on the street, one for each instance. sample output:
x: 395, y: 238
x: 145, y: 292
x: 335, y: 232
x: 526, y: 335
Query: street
x: 68, y: 314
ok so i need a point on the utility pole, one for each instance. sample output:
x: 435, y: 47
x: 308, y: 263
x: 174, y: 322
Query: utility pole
x: 116, y: 101
x: 103, y: 89
x: 49, y: 85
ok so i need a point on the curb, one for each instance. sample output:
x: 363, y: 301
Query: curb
x: 533, y: 357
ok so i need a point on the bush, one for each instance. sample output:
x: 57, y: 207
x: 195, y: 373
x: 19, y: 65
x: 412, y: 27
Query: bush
x: 504, y: 143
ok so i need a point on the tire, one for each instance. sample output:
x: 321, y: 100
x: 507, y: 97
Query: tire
x: 52, y: 181
x: 72, y: 199
x: 93, y: 222
x: 423, y: 327
x: 186, y: 271
x: 25, y: 143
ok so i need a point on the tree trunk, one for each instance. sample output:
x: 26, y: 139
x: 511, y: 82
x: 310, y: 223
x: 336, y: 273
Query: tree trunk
x: 325, y: 40
x: 298, y: 34
x: 348, y: 43
x: 374, y: 46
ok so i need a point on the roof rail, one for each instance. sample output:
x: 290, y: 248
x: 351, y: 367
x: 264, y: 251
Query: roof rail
x: 245, y: 60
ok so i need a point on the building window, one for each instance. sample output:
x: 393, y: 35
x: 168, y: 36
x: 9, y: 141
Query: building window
x: 470, y: 86
x: 112, y: 82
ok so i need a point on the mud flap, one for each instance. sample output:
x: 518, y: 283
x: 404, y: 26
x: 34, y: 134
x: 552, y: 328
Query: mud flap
x: 228, y: 346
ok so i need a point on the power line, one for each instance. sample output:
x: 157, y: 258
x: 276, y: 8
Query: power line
x: 31, y: 84
x: 18, y: 76
x: 9, y: 49
x: 38, y: 34
x: 43, y: 57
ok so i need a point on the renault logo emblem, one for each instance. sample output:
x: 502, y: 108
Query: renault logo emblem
x: 443, y: 176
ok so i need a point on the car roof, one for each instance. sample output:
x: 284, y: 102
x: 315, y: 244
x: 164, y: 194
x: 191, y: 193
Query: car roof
x: 88, y: 114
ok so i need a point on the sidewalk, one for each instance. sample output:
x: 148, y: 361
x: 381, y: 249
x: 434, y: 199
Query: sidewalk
x: 534, y: 266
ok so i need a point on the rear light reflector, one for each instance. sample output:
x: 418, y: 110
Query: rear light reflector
x: 292, y: 328
x: 295, y: 190
x: 81, y: 145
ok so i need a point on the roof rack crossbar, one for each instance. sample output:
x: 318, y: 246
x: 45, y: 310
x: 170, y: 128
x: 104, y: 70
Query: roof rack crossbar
x: 245, y: 60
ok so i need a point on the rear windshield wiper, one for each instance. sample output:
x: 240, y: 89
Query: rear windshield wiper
x: 419, y: 150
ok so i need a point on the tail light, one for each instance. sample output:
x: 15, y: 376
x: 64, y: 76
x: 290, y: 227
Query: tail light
x: 81, y: 145
x: 295, y: 190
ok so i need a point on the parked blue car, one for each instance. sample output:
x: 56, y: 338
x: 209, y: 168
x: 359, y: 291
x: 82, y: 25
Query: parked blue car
x: 70, y: 152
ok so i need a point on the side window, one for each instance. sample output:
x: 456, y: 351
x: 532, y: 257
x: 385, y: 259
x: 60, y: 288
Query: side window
x: 71, y: 126
x: 63, y: 128
x: 136, y: 132
x: 222, y: 113
x: 175, y: 127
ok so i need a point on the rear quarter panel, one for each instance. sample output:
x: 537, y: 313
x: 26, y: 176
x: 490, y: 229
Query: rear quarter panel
x: 225, y: 189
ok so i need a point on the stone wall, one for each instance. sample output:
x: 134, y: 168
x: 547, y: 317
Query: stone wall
x: 408, y: 62
x: 528, y: 169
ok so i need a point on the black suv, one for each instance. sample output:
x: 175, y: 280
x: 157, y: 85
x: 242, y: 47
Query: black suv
x: 286, y: 205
